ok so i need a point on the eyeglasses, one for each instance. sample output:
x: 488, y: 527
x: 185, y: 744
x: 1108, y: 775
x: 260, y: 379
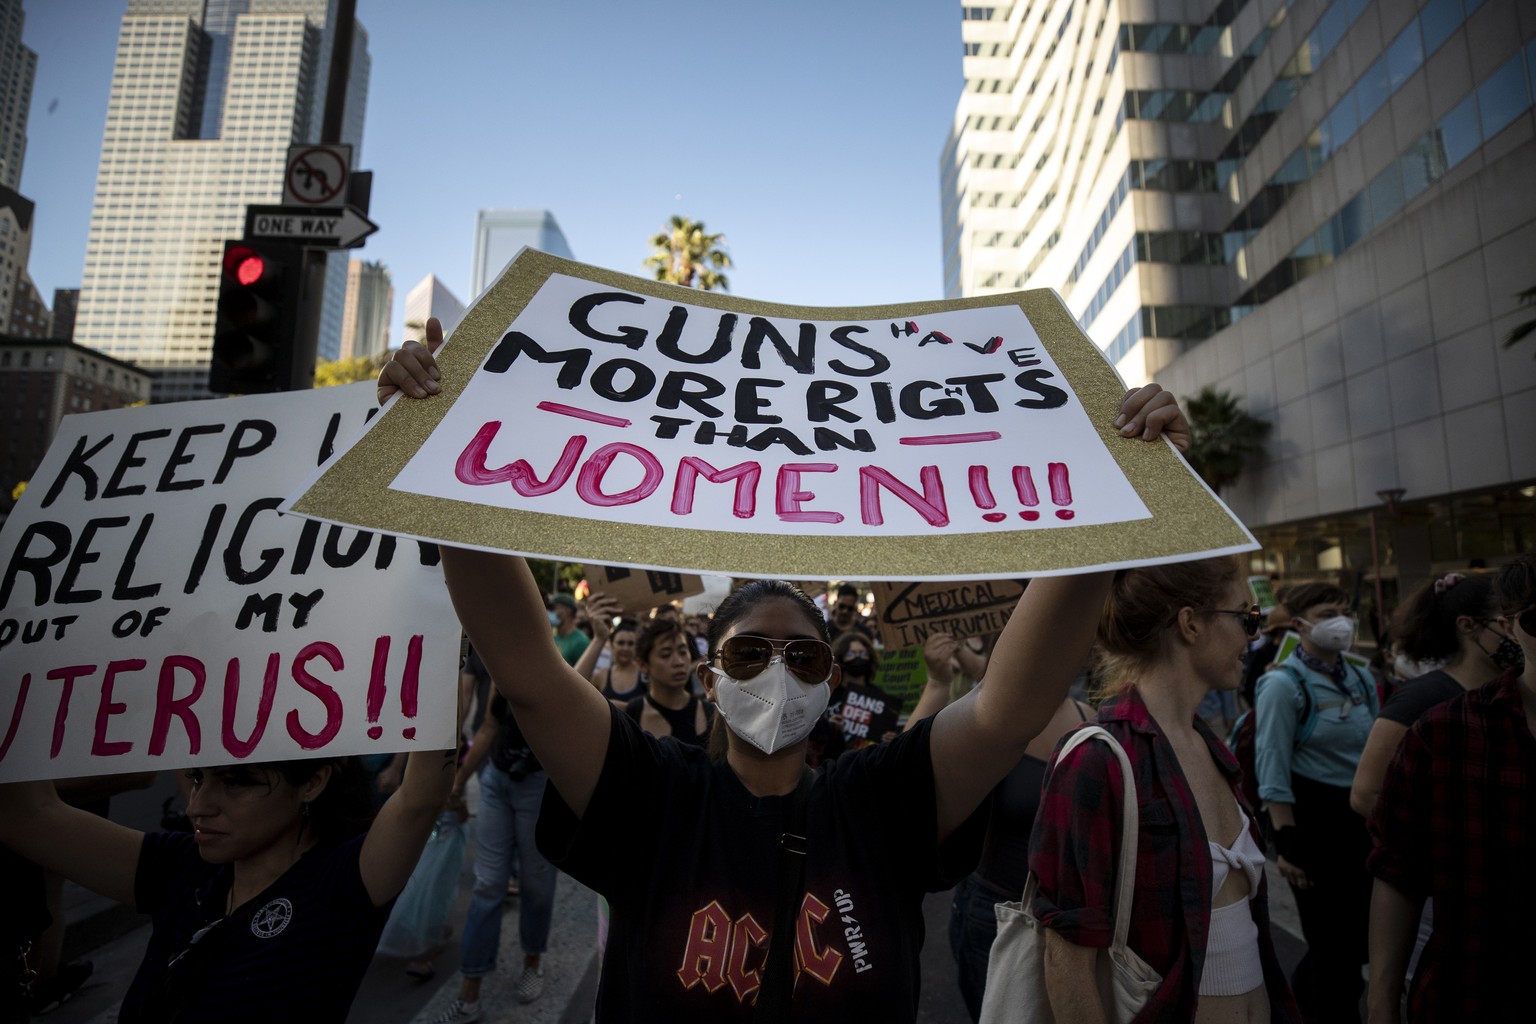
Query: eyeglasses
x: 743, y: 657
x: 1527, y: 620
x: 1252, y: 619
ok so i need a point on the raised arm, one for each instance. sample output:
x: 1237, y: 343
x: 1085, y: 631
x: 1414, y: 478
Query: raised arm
x: 563, y: 717
x: 400, y: 829
x: 980, y: 737
x: 600, y: 611
x: 88, y: 850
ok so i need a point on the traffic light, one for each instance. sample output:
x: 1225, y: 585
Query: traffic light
x: 255, y: 339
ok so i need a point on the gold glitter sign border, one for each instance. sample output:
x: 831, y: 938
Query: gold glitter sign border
x: 1186, y: 519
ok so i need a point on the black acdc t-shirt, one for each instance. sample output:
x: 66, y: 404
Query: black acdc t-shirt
x: 297, y: 951
x: 693, y: 898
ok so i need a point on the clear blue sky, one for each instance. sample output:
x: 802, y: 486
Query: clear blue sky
x: 808, y: 131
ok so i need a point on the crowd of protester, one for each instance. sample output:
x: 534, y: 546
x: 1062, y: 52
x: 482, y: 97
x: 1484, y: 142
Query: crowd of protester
x: 665, y: 759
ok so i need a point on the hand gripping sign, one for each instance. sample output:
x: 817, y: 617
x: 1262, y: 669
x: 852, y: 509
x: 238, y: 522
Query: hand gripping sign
x: 157, y: 612
x: 587, y: 415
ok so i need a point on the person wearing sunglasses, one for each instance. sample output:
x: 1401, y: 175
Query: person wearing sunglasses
x: 271, y: 908
x: 1453, y: 823
x: 753, y: 879
x: 1200, y: 917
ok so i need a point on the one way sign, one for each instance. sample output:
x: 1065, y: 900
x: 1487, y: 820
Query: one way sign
x: 320, y: 227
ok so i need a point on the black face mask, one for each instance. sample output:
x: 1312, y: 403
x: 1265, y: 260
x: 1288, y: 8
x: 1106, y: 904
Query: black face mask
x: 1505, y: 655
x: 856, y: 666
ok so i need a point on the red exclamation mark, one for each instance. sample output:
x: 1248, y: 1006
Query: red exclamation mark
x: 408, y: 685
x: 1061, y: 488
x: 376, y: 686
x: 1024, y: 483
x: 981, y: 493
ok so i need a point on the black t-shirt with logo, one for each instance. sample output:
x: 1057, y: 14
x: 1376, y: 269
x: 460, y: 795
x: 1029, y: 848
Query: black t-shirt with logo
x: 693, y: 898
x: 297, y: 951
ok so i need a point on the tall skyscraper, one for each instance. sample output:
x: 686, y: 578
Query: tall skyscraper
x: 1320, y: 206
x: 431, y: 298
x: 365, y: 318
x: 499, y: 234
x: 207, y: 95
x: 18, y: 67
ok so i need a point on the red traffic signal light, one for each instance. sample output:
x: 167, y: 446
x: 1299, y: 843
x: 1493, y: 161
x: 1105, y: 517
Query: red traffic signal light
x: 255, y: 330
x: 244, y: 264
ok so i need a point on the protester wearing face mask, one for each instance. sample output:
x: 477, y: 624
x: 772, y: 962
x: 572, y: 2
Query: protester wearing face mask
x: 1314, y: 713
x: 758, y: 889
x: 1453, y: 823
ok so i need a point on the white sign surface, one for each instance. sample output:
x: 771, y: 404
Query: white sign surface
x: 156, y: 610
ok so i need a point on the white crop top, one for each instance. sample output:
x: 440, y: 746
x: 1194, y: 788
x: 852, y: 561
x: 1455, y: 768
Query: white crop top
x: 1232, y: 963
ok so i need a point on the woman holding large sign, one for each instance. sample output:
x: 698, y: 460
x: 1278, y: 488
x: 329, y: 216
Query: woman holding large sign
x: 755, y: 880
x: 272, y: 907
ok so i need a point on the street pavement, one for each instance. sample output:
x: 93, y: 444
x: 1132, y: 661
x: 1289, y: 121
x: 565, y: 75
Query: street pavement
x: 114, y: 939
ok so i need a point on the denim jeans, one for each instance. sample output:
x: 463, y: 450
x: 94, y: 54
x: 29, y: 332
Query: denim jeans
x: 972, y: 927
x: 508, y: 812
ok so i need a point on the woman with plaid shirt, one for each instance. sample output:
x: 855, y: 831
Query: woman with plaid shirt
x: 1200, y: 917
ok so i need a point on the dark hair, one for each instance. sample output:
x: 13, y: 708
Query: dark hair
x: 344, y: 807
x: 748, y: 596
x: 1517, y: 584
x: 654, y: 633
x: 847, y: 590
x: 1425, y: 624
x: 846, y: 640
x: 626, y: 625
x: 1309, y: 595
x: 1144, y: 603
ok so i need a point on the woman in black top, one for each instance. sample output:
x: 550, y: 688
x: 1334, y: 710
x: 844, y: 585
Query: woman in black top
x: 624, y: 677
x: 1449, y: 619
x: 272, y: 907
x: 668, y: 708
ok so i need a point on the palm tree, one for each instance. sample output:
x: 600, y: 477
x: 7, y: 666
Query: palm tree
x: 1224, y: 437
x: 686, y: 255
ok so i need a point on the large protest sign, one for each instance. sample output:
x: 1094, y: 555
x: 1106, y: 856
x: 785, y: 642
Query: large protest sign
x: 903, y: 674
x: 908, y: 612
x: 587, y: 414
x: 156, y: 611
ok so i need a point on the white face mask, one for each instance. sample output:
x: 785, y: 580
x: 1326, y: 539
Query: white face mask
x: 773, y: 709
x: 1335, y: 634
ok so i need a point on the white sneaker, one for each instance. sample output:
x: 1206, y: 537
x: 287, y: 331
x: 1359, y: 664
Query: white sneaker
x: 459, y: 1012
x: 531, y: 985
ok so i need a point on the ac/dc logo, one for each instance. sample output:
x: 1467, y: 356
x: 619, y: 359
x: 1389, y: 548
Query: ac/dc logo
x: 724, y: 951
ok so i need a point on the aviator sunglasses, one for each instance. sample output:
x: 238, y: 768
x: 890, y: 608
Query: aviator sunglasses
x: 742, y: 657
x: 1252, y: 620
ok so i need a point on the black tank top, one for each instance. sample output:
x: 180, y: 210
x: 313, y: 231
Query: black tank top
x: 683, y: 720
x: 638, y: 690
x: 1015, y: 802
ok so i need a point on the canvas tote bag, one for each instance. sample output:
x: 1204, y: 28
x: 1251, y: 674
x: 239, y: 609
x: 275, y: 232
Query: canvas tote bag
x: 1016, y: 966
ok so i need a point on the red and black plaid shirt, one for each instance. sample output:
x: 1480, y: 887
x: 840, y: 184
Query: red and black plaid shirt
x: 1456, y: 821
x: 1076, y: 843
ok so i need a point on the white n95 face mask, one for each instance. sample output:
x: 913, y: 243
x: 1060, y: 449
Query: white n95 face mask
x: 1334, y: 634
x: 773, y: 709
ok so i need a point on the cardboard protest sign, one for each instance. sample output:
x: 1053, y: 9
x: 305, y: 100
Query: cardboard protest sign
x: 867, y: 714
x: 592, y: 415
x: 903, y: 674
x: 156, y: 611
x: 639, y: 590
x: 908, y: 612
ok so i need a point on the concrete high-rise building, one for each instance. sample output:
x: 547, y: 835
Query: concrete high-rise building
x: 22, y: 311
x: 365, y: 318
x: 207, y: 95
x: 19, y: 66
x: 1322, y: 207
x: 499, y: 234
x: 64, y: 302
x: 431, y: 298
